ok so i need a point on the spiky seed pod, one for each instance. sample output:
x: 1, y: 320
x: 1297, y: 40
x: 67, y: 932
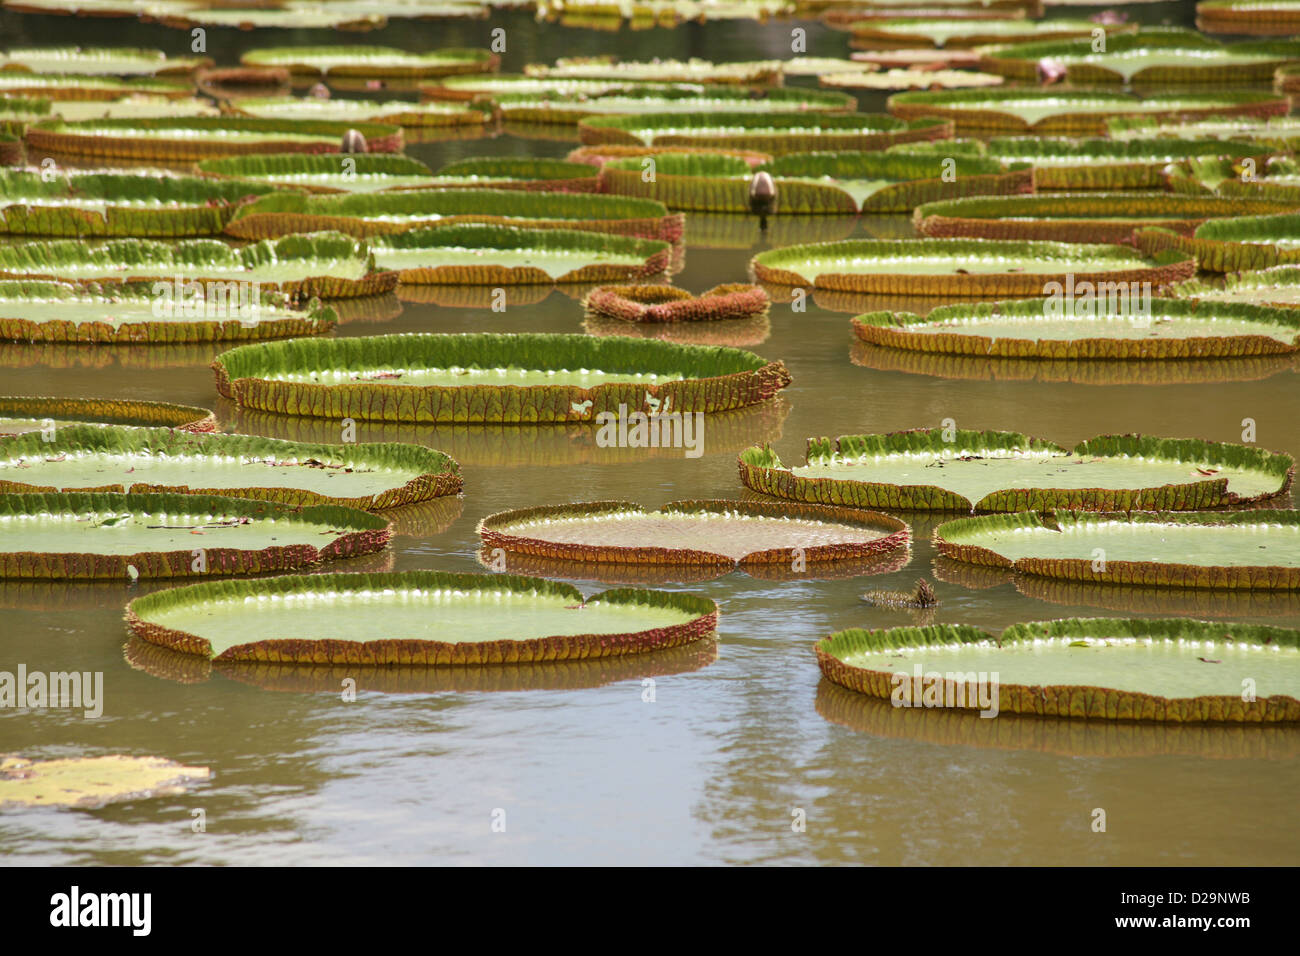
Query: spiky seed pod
x: 1049, y: 71
x: 353, y: 142
x: 925, y: 596
x: 762, y: 194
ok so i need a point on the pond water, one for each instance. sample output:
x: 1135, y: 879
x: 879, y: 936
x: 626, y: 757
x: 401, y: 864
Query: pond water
x: 739, y: 734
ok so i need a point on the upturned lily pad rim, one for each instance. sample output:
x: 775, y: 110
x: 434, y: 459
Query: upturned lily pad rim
x: 107, y: 411
x: 447, y: 61
x: 1069, y: 700
x: 431, y: 653
x: 1283, y: 276
x: 437, y: 474
x: 891, y: 329
x: 362, y: 533
x: 1171, y: 574
x: 494, y: 532
x: 761, y: 470
x: 716, y: 378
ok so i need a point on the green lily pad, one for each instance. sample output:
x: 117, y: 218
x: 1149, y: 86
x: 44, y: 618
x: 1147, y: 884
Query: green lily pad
x: 100, y: 61
x: 1170, y: 669
x: 380, y: 214
x: 829, y: 182
x: 81, y: 86
x: 201, y: 137
x: 394, y: 112
x: 331, y: 173
x: 1258, y: 550
x: 1082, y: 217
x: 1113, y: 323
x: 742, y: 73
x: 89, y: 782
x: 500, y: 255
x: 20, y: 414
x: 105, y: 536
x: 416, y: 617
x: 1104, y: 164
x: 146, y: 460
x: 489, y: 86
x: 1073, y: 113
x: 1007, y: 471
x: 963, y: 267
x: 1231, y: 245
x: 328, y: 265
x: 551, y: 107
x: 1278, y: 287
x: 722, y: 535
x: 34, y: 311
x: 117, y: 204
x: 1273, y: 132
x: 1249, y: 17
x: 1151, y: 56
x: 491, y: 378
x: 964, y: 33
x: 372, y: 61
x: 905, y: 79
x: 777, y: 134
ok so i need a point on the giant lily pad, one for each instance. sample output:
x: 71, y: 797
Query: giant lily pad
x: 333, y: 173
x: 100, y: 61
x: 659, y: 304
x: 143, y: 460
x: 840, y: 182
x: 572, y: 107
x: 1153, y: 57
x: 492, y: 378
x: 1231, y: 245
x: 1274, y: 178
x: 964, y: 32
x: 963, y: 267
x: 201, y: 137
x: 117, y: 204
x: 372, y: 61
x: 136, y: 106
x: 918, y: 79
x: 118, y: 536
x: 777, y: 134
x: 1085, y: 217
x: 1250, y: 17
x: 721, y: 535
x: 380, y: 214
x: 416, y: 617
x: 1073, y: 113
x: 488, y: 86
x: 89, y: 782
x: 540, y: 175
x: 1097, y: 320
x: 745, y: 73
x: 500, y: 255
x: 1007, y: 471
x: 20, y: 414
x: 36, y: 311
x: 329, y: 265
x: 1170, y: 669
x: 1259, y: 550
x: 394, y: 112
x: 80, y: 86
x: 1109, y: 164
x: 1274, y: 132
x: 1278, y: 286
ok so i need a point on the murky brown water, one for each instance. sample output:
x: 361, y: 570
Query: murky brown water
x: 740, y: 733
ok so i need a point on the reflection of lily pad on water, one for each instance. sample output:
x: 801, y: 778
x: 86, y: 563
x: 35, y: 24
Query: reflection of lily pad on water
x: 117, y: 204
x: 202, y: 137
x: 501, y: 255
x: 1073, y: 113
x: 377, y: 214
x: 778, y: 133
x: 961, y: 266
x: 372, y: 61
x: 115, y: 536
x: 89, y: 782
x: 20, y: 414
x: 1083, y: 217
x: 839, y: 182
x: 928, y: 469
x: 489, y: 377
x: 950, y: 727
x: 1259, y: 550
x: 1119, y: 324
x: 417, y: 617
x: 33, y: 311
x: 721, y: 535
x: 142, y: 460
x: 1231, y: 245
x: 305, y: 678
x: 328, y: 265
x: 1200, y: 603
x: 1171, y: 669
